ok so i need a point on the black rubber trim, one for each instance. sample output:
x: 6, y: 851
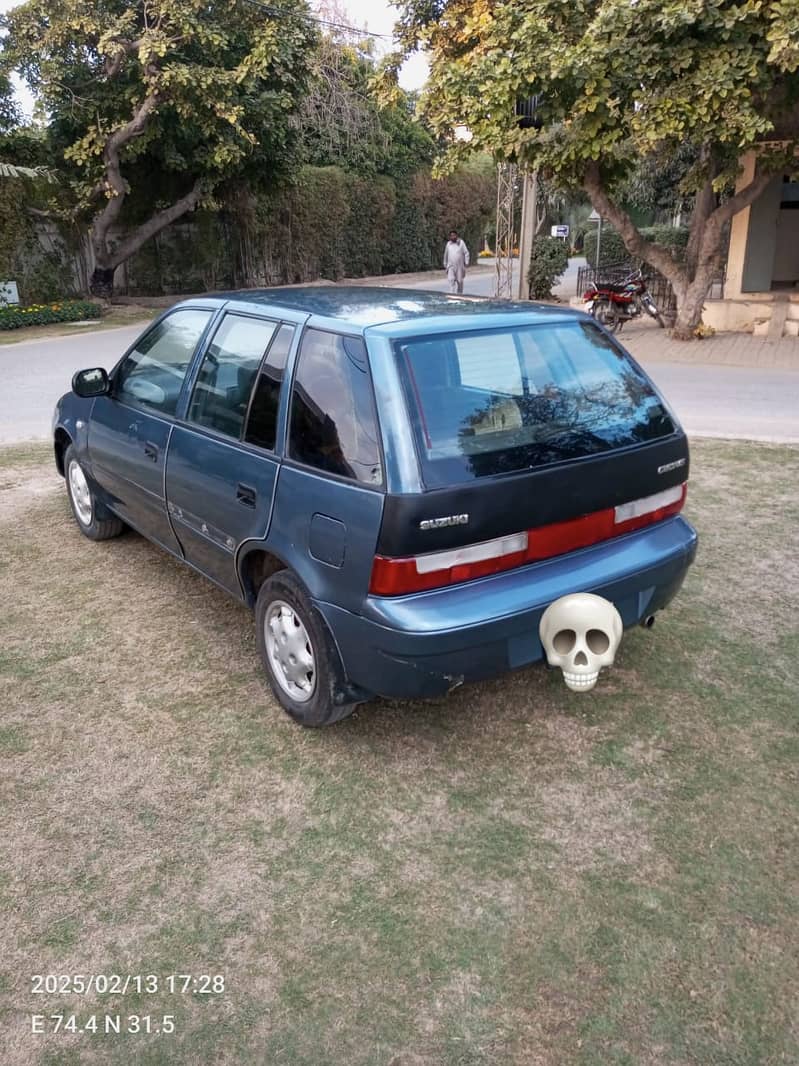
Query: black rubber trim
x: 498, y: 506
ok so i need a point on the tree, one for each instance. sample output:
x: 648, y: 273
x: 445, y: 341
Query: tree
x: 190, y: 90
x: 9, y: 109
x: 619, y: 82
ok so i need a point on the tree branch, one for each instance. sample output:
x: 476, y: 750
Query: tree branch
x: 155, y: 224
x: 113, y: 171
x: 704, y: 204
x: 746, y: 196
x: 634, y: 242
x: 113, y: 64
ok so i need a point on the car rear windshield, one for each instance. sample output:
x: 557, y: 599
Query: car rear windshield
x: 504, y: 400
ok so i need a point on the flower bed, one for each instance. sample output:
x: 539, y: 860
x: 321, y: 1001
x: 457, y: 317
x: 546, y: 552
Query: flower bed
x: 14, y: 316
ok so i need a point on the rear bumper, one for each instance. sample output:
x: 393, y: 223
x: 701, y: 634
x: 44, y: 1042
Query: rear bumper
x: 430, y: 642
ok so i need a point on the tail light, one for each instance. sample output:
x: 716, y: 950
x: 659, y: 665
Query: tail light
x: 396, y: 577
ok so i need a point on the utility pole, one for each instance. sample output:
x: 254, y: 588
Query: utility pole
x: 506, y: 187
x: 527, y: 232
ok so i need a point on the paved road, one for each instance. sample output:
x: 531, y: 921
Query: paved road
x: 35, y: 373
x: 731, y: 401
x: 710, y: 400
x: 483, y: 282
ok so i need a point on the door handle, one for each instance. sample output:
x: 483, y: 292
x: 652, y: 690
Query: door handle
x: 245, y: 495
x: 151, y: 450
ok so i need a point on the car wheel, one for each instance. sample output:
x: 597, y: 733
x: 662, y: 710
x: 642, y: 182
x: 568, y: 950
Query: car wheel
x: 299, y: 655
x: 94, y: 520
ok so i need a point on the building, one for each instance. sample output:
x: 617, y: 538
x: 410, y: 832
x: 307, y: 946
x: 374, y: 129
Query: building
x: 761, y: 291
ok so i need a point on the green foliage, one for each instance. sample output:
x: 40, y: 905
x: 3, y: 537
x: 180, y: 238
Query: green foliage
x: 172, y: 98
x: 46, y: 274
x: 341, y: 124
x: 218, y: 74
x: 697, y: 83
x: 549, y: 259
x: 14, y: 226
x: 612, y: 248
x: 9, y: 111
x: 16, y: 317
x: 330, y: 224
x: 617, y: 81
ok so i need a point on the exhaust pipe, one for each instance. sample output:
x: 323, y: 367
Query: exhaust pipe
x: 648, y: 622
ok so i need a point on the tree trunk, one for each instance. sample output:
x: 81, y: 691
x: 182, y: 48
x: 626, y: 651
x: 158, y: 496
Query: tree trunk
x: 107, y: 260
x: 102, y: 282
x: 691, y: 282
x: 689, y: 313
x: 691, y: 300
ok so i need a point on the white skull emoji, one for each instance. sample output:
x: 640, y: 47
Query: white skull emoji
x: 580, y: 634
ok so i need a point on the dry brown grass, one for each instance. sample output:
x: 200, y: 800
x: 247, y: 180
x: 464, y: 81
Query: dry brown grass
x: 515, y: 874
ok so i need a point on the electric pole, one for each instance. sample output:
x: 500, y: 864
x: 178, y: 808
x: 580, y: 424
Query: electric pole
x: 527, y: 232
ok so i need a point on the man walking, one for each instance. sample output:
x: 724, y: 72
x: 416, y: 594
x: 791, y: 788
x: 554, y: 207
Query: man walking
x: 456, y: 259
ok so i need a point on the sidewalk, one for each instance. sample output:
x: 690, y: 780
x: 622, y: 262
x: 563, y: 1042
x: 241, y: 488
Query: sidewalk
x: 393, y: 281
x: 645, y: 340
x: 649, y: 344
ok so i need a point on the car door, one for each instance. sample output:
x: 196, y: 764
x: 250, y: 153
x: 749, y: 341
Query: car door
x: 221, y: 467
x: 329, y: 499
x: 129, y: 429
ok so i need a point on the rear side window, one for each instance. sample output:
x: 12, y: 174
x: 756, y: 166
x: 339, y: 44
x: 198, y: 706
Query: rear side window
x: 502, y: 401
x: 333, y: 422
x: 224, y: 382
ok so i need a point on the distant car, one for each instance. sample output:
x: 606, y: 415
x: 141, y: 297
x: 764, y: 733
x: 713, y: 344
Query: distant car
x: 398, y: 482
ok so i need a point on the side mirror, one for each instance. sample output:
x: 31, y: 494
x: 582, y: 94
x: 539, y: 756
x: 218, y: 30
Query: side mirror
x: 88, y: 383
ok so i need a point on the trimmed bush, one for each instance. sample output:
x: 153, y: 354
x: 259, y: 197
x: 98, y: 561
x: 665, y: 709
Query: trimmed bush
x: 15, y: 317
x: 330, y: 223
x: 549, y: 259
x: 612, y: 249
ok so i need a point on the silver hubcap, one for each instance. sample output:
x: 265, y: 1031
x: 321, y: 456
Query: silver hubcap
x: 290, y: 651
x: 81, y: 493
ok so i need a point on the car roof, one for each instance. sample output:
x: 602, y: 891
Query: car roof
x: 354, y: 308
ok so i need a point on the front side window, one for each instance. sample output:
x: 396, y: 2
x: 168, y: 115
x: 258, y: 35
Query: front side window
x: 153, y: 373
x: 333, y: 422
x: 502, y: 401
x: 225, y: 379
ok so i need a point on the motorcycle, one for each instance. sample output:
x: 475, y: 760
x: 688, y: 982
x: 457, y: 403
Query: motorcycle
x: 614, y: 304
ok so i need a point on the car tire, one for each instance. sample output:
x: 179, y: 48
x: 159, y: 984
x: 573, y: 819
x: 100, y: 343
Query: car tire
x: 299, y: 655
x: 94, y: 519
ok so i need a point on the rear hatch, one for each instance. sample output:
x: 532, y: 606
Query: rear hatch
x: 532, y: 441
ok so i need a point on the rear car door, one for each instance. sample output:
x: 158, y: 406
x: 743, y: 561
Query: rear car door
x: 222, y: 467
x: 329, y: 499
x: 129, y: 429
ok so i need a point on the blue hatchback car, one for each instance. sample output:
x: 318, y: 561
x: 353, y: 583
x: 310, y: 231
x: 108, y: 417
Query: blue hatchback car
x: 399, y: 483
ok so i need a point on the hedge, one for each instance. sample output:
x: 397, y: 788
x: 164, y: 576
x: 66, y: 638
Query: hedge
x: 612, y: 248
x: 329, y: 224
x: 548, y: 261
x: 15, y: 316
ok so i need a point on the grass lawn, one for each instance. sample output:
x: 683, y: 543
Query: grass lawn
x: 517, y: 874
x: 114, y: 318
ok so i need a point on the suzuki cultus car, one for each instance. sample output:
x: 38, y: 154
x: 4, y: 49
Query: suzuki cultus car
x: 397, y: 482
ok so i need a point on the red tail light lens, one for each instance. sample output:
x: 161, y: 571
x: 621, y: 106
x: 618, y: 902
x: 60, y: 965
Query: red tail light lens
x: 396, y: 577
